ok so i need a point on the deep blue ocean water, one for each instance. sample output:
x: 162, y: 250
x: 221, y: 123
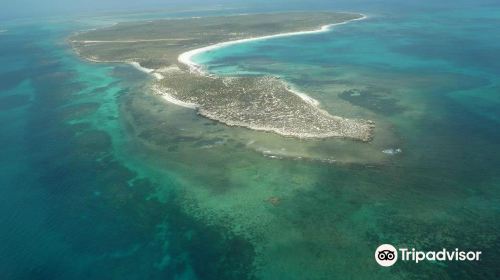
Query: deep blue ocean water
x: 81, y: 197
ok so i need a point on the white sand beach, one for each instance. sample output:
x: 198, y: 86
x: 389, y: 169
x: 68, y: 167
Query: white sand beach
x: 186, y: 58
x: 168, y: 97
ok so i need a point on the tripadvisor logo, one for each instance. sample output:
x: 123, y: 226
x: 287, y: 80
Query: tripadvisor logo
x: 387, y: 255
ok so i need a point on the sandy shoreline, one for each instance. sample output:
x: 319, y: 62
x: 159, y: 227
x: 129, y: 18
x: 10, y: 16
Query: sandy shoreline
x: 170, y: 98
x: 303, y: 96
x: 186, y: 58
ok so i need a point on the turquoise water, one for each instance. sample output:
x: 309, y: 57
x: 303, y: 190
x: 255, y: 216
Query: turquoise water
x: 101, y: 180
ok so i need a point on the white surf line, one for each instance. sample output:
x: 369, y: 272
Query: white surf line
x: 303, y: 96
x: 149, y: 71
x: 168, y: 97
x: 186, y: 58
x: 138, y: 66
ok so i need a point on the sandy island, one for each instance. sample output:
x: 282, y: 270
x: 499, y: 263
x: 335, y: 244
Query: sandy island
x: 165, y: 49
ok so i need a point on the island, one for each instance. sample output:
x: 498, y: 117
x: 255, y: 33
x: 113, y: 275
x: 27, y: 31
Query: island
x: 165, y: 49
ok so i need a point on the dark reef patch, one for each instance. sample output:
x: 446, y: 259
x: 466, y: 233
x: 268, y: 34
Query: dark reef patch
x: 79, y: 110
x: 373, y: 99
